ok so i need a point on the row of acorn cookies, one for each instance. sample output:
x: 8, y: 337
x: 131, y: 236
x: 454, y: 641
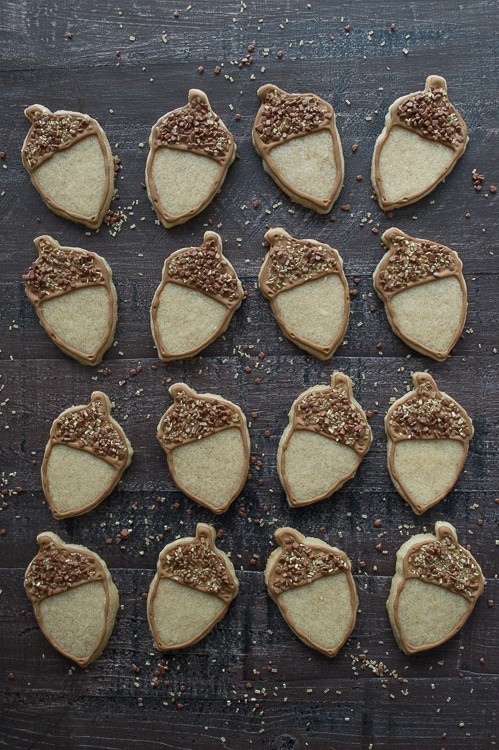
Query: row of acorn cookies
x: 191, y: 151
x: 420, y: 282
x: 435, y: 588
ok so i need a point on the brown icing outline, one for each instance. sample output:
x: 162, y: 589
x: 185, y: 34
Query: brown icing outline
x: 338, y: 380
x: 231, y: 306
x: 180, y: 387
x: 280, y: 535
x: 104, y: 577
x: 317, y: 350
x: 402, y: 574
x: 392, y: 120
x: 169, y: 220
x: 322, y: 206
x: 93, y: 222
x: 207, y: 532
x: 119, y: 465
x: 419, y: 378
x: 107, y: 282
x: 387, y: 238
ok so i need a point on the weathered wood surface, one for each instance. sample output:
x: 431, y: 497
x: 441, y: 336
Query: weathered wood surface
x: 250, y: 683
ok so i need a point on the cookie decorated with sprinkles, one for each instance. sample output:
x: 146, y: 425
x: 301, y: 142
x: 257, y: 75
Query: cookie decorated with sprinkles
x: 73, y: 596
x: 298, y: 141
x: 308, y: 292
x: 74, y: 297
x: 436, y: 585
x: 85, y: 458
x: 69, y: 160
x: 192, y: 590
x: 424, y: 292
x: 207, y: 445
x: 423, y: 139
x: 428, y: 436
x: 324, y: 443
x: 313, y: 586
x: 194, y: 304
x: 190, y: 153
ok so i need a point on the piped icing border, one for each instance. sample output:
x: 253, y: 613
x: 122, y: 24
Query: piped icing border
x: 195, y: 562
x: 409, y: 262
x: 195, y: 416
x: 283, y: 117
x: 291, y: 262
x: 299, y: 561
x: 431, y: 116
x: 332, y: 412
x: 52, y: 132
x: 438, y: 560
x: 195, y: 127
x: 59, y: 567
x: 204, y: 269
x: 89, y: 428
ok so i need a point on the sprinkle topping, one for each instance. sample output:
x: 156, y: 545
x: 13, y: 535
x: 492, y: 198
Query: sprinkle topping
x: 433, y: 116
x: 292, y: 262
x: 194, y: 127
x: 411, y: 261
x: 50, y: 132
x: 56, y: 569
x: 445, y: 564
x: 198, y: 565
x: 90, y: 427
x: 203, y: 268
x: 284, y: 116
x: 299, y: 564
x: 428, y: 414
x: 60, y: 269
x: 331, y: 413
x: 193, y: 418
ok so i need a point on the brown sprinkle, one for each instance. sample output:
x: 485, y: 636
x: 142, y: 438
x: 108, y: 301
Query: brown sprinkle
x: 412, y: 261
x: 198, y: 565
x: 56, y: 569
x: 427, y: 414
x: 433, y: 116
x: 59, y: 269
x: 292, y: 262
x: 284, y: 116
x: 196, y: 128
x: 331, y: 413
x: 90, y: 427
x: 299, y: 564
x: 194, y: 417
x: 50, y: 132
x: 445, y: 564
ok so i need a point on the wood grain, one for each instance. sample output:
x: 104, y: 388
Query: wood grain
x: 251, y: 683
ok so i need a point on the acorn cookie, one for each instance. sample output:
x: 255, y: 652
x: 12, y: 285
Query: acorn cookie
x: 308, y: 292
x: 192, y: 590
x: 434, y: 590
x: 74, y: 598
x: 190, y: 153
x: 85, y: 458
x: 207, y: 445
x: 297, y: 138
x: 74, y: 297
x: 424, y: 292
x: 194, y: 304
x: 423, y: 138
x: 428, y: 435
x: 69, y: 160
x: 313, y: 586
x: 326, y: 439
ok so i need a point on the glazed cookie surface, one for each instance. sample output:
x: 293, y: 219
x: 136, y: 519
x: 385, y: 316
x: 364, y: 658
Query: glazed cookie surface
x: 308, y: 292
x: 85, y: 458
x: 194, y: 304
x: 190, y: 153
x: 207, y: 445
x: 74, y: 598
x: 297, y: 138
x: 436, y: 585
x: 191, y: 591
x: 74, y: 296
x: 69, y: 160
x: 428, y: 436
x: 324, y: 443
x: 313, y: 586
x: 423, y: 138
x: 422, y: 286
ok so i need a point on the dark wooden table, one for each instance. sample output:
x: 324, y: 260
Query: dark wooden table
x: 250, y: 683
